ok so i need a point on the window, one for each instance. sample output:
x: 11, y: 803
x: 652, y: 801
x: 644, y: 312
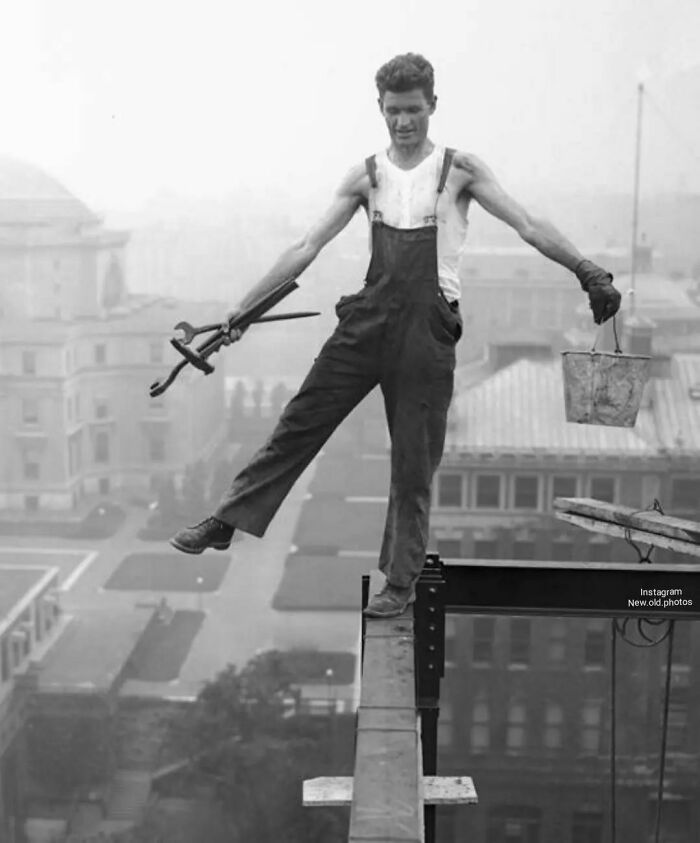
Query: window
x: 100, y: 353
x: 450, y: 490
x: 587, y: 827
x: 594, y: 644
x: 561, y: 550
x: 155, y: 352
x: 564, y: 486
x: 682, y: 643
x: 603, y: 489
x: 480, y: 733
x: 556, y: 650
x: 513, y: 824
x: 488, y: 491
x: 101, y: 409
x: 515, y: 729
x: 449, y: 548
x: 520, y: 630
x: 685, y: 493
x: 28, y: 362
x: 31, y: 467
x: 523, y: 549
x: 591, y: 716
x: 101, y: 447
x: 30, y: 411
x: 553, y: 721
x: 485, y: 549
x: 678, y: 721
x: 484, y: 629
x: 156, y: 449
x: 526, y: 492
x: 445, y: 720
x: 599, y: 551
x: 31, y: 503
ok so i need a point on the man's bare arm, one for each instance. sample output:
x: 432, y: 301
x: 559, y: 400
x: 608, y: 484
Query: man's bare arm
x: 483, y: 186
x: 480, y: 182
x: 294, y: 260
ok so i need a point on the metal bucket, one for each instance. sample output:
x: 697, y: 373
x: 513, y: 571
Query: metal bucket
x: 602, y: 387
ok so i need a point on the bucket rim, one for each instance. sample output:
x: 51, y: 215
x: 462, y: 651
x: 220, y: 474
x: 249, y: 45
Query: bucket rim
x: 615, y: 354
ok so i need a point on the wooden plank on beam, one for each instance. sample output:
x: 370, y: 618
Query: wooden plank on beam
x: 387, y: 802
x: 329, y: 791
x: 607, y: 528
x: 648, y: 521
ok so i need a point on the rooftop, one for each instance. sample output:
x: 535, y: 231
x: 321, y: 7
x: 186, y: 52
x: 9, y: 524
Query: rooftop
x: 521, y: 407
x: 29, y: 196
x: 15, y: 584
x: 92, y: 652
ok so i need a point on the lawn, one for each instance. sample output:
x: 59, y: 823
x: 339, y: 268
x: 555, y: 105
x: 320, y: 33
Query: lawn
x: 170, y: 572
x: 163, y: 648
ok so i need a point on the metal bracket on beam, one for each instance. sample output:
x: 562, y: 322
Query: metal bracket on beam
x: 429, y: 627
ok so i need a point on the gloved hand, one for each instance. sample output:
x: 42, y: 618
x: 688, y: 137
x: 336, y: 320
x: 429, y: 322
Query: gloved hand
x: 232, y: 334
x: 604, y: 299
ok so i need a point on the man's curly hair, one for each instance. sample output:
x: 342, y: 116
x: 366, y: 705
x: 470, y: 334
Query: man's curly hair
x: 406, y: 73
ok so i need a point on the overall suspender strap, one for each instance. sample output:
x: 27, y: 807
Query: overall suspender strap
x: 371, y: 167
x: 446, y: 164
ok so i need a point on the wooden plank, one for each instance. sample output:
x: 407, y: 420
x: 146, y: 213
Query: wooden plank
x: 610, y: 529
x: 648, y: 521
x: 387, y: 801
x: 329, y: 791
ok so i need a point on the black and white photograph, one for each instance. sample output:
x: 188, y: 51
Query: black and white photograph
x: 350, y: 421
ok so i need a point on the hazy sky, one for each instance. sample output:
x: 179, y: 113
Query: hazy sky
x: 125, y: 100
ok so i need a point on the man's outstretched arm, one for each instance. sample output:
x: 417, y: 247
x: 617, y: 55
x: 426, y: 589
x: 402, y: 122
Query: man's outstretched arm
x: 294, y: 260
x: 541, y: 234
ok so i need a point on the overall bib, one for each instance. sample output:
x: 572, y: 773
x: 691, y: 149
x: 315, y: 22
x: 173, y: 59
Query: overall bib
x: 399, y: 332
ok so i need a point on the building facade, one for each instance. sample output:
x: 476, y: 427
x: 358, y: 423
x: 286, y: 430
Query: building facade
x: 78, y: 353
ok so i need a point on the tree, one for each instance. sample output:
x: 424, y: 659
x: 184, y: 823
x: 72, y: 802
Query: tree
x: 245, y: 740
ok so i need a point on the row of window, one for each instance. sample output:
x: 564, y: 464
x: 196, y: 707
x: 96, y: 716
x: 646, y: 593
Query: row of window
x: 519, y: 734
x: 29, y: 364
x: 30, y: 408
x: 525, y: 732
x: 486, y: 490
x: 524, y: 823
x: 557, y: 549
x: 156, y: 452
x: 526, y: 491
x: 518, y: 640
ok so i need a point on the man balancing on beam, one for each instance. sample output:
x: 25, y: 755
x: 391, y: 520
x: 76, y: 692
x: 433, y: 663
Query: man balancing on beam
x: 399, y: 331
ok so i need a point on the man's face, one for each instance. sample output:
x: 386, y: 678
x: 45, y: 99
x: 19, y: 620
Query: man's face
x: 407, y: 116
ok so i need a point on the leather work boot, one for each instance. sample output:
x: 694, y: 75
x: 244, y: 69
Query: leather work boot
x: 390, y: 601
x: 208, y: 533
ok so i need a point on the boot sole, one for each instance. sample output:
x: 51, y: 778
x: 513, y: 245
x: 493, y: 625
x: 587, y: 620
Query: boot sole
x: 195, y: 551
x: 368, y: 613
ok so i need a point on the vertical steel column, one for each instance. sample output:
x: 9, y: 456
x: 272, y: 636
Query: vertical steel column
x: 429, y: 627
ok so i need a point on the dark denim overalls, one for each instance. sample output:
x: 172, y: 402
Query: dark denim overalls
x: 400, y: 332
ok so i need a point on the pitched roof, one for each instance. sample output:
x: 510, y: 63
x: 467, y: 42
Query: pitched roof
x: 676, y: 412
x: 29, y: 196
x: 521, y: 407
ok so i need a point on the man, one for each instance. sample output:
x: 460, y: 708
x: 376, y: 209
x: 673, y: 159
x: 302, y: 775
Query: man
x: 399, y: 331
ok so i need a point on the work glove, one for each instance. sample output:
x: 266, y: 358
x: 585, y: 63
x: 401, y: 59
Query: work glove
x: 603, y: 298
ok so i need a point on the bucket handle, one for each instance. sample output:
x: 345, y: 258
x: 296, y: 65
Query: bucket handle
x: 598, y: 333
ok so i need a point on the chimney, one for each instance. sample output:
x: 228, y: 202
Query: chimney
x: 638, y: 336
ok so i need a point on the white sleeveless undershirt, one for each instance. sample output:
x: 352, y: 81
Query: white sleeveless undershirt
x: 407, y: 199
